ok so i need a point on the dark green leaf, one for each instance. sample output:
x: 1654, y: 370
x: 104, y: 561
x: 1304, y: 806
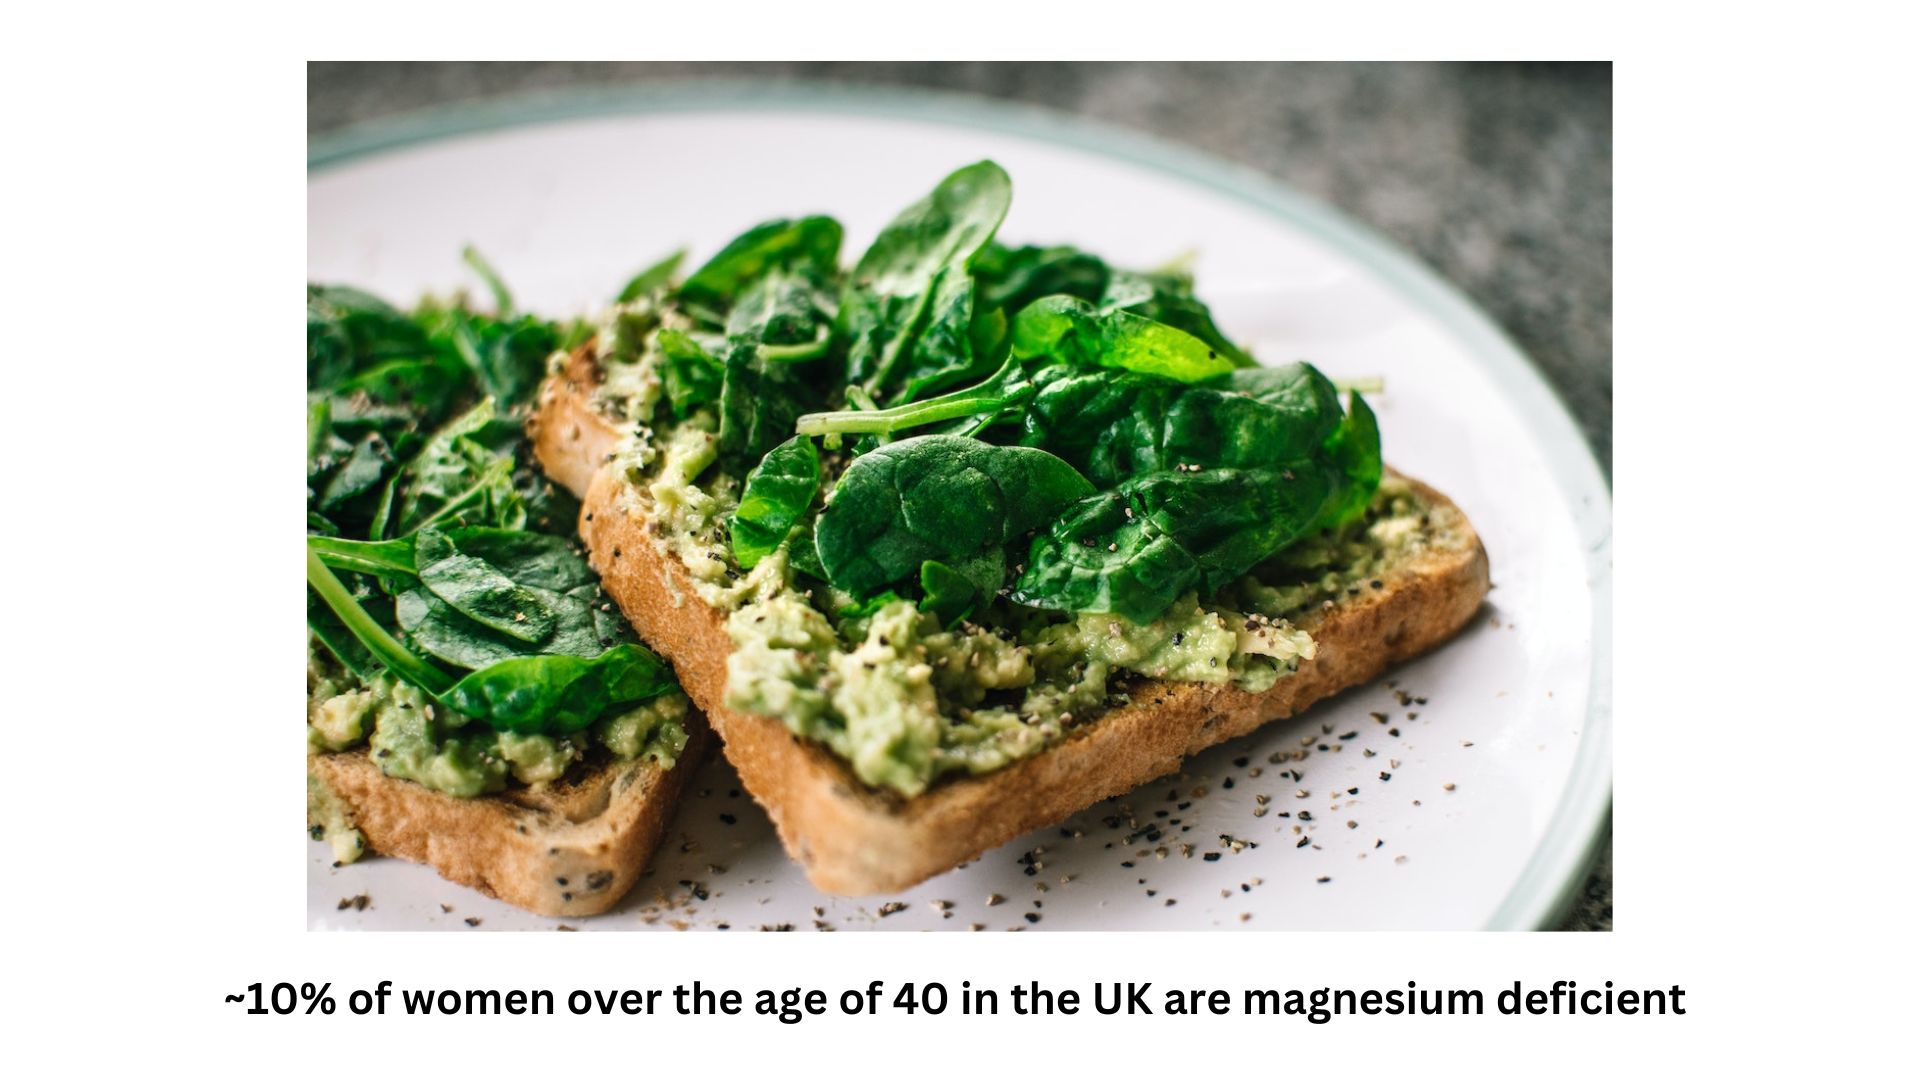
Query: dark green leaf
x: 502, y: 299
x: 1012, y: 278
x: 552, y: 695
x: 1134, y: 550
x: 907, y: 312
x: 653, y: 278
x: 479, y: 590
x: 1168, y: 298
x: 759, y: 402
x: 1354, y: 450
x: 689, y: 373
x: 1113, y: 424
x: 1073, y: 331
x: 348, y: 329
x: 435, y: 628
x: 777, y: 494
x: 809, y: 244
x: 935, y: 497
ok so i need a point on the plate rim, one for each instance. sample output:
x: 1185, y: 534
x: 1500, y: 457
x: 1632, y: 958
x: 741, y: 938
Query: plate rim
x: 1544, y: 890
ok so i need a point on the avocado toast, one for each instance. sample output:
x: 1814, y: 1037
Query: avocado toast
x: 474, y: 701
x: 967, y: 538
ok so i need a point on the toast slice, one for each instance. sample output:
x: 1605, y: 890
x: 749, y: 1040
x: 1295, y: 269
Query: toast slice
x: 855, y: 840
x: 571, y: 847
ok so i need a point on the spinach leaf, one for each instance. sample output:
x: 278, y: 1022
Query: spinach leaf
x: 1075, y: 332
x: 1006, y: 391
x: 776, y: 496
x: 1354, y: 450
x: 426, y: 387
x: 759, y: 402
x: 907, y: 313
x: 779, y: 320
x: 477, y: 589
x: 348, y: 329
x: 1167, y: 297
x: 559, y: 694
x: 502, y: 298
x: 508, y: 358
x: 339, y: 640
x: 935, y: 497
x: 456, y: 479
x: 1134, y: 550
x: 385, y: 558
x: 804, y: 555
x: 950, y: 593
x: 807, y: 244
x: 1012, y: 278
x: 538, y: 694
x: 541, y: 560
x: 434, y: 627
x: 653, y: 278
x: 787, y: 313
x: 690, y: 375
x: 1112, y: 424
x: 365, y: 465
x: 379, y: 643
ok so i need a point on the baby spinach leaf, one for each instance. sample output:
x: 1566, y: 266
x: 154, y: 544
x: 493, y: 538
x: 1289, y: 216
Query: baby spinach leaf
x: 385, y: 558
x: 786, y: 313
x: 808, y: 244
x: 540, y: 560
x: 690, y: 375
x: 508, y: 358
x: 502, y: 298
x: 804, y: 557
x: 559, y: 694
x: 365, y: 465
x: 434, y: 627
x: 1354, y: 450
x: 1167, y: 297
x: 427, y: 387
x: 380, y: 644
x: 477, y: 589
x: 653, y: 278
x: 338, y: 640
x: 907, y: 313
x: 1116, y: 424
x: 348, y: 329
x: 456, y: 479
x: 759, y: 402
x: 935, y: 497
x: 1006, y: 391
x: 865, y: 608
x: 1075, y: 332
x: 1012, y: 278
x: 1134, y: 550
x: 951, y: 593
x: 776, y: 496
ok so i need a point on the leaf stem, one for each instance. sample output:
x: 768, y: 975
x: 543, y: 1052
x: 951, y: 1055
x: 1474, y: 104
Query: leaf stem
x: 381, y: 644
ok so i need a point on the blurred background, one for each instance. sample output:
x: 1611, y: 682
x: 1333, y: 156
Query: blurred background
x: 1499, y: 176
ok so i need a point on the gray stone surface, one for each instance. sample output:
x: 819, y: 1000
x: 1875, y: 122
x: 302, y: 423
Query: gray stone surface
x: 1498, y: 176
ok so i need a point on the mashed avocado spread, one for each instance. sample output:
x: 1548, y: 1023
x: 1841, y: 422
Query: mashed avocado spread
x: 905, y: 701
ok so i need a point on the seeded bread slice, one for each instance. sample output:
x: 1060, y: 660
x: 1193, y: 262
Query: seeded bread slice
x: 572, y: 847
x: 855, y: 840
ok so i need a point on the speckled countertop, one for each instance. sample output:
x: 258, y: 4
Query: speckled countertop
x: 1500, y: 176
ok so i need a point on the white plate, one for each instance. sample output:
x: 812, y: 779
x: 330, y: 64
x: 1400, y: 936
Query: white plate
x: 1499, y: 785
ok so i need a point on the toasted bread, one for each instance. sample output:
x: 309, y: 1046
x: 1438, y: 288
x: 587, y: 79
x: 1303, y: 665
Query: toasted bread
x: 855, y: 840
x: 570, y: 847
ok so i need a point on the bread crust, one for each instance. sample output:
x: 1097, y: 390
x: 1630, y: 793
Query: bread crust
x: 573, y: 847
x: 855, y: 840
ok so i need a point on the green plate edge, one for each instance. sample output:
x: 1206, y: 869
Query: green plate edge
x: 1543, y: 894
